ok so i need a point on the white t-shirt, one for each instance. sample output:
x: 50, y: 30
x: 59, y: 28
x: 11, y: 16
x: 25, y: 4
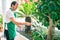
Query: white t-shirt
x: 9, y: 14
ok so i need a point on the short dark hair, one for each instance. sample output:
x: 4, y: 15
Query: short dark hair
x: 13, y: 3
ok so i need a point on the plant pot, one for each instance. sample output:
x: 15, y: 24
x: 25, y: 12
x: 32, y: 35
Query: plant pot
x: 28, y: 28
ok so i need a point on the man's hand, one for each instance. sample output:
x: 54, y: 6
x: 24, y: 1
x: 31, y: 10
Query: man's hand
x: 28, y: 24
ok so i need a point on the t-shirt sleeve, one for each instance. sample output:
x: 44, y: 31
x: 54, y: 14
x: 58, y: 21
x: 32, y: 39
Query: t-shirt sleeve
x: 10, y: 14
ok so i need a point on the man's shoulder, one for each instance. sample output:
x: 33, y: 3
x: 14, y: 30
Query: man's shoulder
x: 9, y: 10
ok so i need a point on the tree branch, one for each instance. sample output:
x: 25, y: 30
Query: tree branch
x: 57, y: 22
x: 46, y: 15
x: 50, y: 20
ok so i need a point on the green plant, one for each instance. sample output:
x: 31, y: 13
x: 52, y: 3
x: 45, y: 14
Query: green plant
x: 49, y: 15
x: 27, y: 8
x: 1, y: 19
x: 36, y: 35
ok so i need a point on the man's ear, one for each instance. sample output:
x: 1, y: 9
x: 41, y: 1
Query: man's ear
x: 12, y: 5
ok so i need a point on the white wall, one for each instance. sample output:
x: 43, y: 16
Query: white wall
x: 0, y: 6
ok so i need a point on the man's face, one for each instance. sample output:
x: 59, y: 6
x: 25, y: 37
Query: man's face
x: 14, y: 7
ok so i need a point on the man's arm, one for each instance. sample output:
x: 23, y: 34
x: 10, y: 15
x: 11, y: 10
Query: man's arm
x: 20, y: 23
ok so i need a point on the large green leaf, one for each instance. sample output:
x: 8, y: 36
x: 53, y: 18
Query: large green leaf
x: 27, y: 9
x: 48, y: 7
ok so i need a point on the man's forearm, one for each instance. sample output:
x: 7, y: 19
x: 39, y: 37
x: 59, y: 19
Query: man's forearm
x: 19, y: 23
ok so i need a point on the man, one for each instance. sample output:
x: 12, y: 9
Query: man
x: 10, y: 32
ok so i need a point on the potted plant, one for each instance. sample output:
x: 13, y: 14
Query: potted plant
x: 27, y: 9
